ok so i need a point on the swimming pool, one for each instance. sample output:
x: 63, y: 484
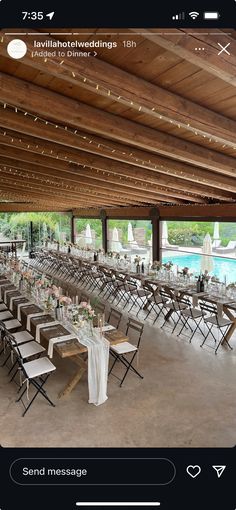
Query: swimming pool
x: 222, y: 266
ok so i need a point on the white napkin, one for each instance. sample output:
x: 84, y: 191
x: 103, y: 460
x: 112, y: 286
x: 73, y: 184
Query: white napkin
x: 22, y: 305
x: 57, y: 340
x: 43, y: 325
x: 107, y: 328
x: 14, y: 298
x: 6, y: 292
x: 31, y: 316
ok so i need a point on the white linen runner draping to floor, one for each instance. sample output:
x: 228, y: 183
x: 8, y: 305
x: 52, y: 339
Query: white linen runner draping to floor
x: 98, y: 358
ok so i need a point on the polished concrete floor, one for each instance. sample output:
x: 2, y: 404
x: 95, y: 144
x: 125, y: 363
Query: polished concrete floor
x: 186, y: 399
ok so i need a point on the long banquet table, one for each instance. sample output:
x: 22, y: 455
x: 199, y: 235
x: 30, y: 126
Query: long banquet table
x: 71, y: 349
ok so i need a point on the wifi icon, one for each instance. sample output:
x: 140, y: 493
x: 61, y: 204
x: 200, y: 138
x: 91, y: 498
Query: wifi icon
x: 194, y: 14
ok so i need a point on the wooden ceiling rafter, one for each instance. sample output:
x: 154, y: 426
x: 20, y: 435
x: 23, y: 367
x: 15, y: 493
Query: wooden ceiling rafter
x: 182, y: 45
x: 57, y: 107
x: 145, y: 194
x: 54, y: 158
x: 118, y: 147
x: 105, y: 79
x: 114, y: 151
x: 120, y: 194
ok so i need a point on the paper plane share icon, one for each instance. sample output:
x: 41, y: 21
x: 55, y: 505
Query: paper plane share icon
x: 219, y: 470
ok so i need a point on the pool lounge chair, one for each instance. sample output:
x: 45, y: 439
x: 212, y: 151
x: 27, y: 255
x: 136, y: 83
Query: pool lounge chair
x: 231, y: 247
x: 216, y: 244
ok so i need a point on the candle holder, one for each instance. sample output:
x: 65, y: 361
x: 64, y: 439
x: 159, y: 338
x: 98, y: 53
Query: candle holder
x: 101, y: 323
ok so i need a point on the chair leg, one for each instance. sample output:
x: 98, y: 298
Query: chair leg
x: 39, y: 388
x: 129, y: 366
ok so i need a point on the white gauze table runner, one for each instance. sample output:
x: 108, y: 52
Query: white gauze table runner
x: 14, y: 298
x: 44, y: 325
x: 23, y: 305
x: 32, y: 316
x: 57, y: 340
x: 5, y: 294
x: 2, y: 285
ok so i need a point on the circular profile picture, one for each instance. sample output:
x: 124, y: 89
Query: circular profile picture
x: 16, y: 48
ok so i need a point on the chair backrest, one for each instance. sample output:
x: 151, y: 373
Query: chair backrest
x: 83, y: 298
x: 100, y: 308
x: 209, y: 308
x: 114, y: 317
x: 136, y: 326
x: 183, y: 300
x: 2, y: 329
x: 166, y: 294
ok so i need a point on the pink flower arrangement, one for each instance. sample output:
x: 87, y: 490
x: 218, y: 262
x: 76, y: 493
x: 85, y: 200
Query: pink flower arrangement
x: 40, y: 283
x: 86, y: 310
x: 54, y: 292
x: 65, y: 300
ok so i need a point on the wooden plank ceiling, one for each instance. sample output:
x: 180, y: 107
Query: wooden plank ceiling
x: 146, y: 125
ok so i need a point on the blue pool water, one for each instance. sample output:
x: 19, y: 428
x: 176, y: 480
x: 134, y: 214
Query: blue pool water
x: 222, y: 266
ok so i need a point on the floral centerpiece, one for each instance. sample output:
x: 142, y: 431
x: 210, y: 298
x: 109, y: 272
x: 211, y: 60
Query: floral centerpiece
x: 86, y: 311
x: 65, y: 300
x: 168, y: 265
x: 215, y: 279
x: 206, y: 276
x: 51, y: 293
x: 156, y: 265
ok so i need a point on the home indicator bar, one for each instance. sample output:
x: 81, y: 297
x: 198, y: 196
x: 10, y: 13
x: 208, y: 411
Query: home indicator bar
x: 118, y: 503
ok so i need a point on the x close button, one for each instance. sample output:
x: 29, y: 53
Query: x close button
x: 224, y: 49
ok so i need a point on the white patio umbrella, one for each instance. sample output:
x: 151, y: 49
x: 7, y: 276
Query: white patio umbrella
x: 130, y: 233
x: 57, y: 232
x: 206, y: 258
x: 216, y: 235
x: 45, y: 231
x: 131, y: 240
x: 88, y: 234
x: 164, y: 234
x: 115, y: 243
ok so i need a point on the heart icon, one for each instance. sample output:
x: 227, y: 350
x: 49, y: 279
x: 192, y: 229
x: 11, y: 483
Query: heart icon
x: 193, y: 471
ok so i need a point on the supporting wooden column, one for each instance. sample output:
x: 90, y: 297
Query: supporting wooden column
x: 72, y: 226
x: 103, y: 217
x: 30, y: 239
x: 156, y: 251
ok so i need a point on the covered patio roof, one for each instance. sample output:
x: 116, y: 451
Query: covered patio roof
x: 147, y: 125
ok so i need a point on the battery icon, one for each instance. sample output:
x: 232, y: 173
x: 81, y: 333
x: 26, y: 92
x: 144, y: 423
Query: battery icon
x: 211, y: 15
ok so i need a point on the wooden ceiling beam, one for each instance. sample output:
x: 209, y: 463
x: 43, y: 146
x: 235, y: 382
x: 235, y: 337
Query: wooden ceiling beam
x: 143, y: 182
x: 185, y: 41
x: 56, y: 107
x: 112, y: 170
x: 26, y: 129
x: 88, y: 73
x: 17, y: 186
x: 71, y: 190
x: 29, y: 207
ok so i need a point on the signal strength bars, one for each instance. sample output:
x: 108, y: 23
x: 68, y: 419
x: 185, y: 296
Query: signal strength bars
x: 179, y: 16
